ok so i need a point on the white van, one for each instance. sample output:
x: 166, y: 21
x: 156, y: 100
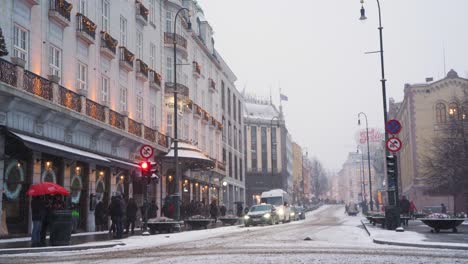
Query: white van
x: 279, y: 199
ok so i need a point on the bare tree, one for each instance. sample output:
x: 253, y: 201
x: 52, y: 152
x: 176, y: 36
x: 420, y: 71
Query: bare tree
x: 319, y: 178
x: 446, y: 166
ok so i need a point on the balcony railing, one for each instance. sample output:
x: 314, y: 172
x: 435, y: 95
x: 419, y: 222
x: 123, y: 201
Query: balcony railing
x: 181, y: 89
x: 37, y: 85
x: 86, y: 27
x: 181, y: 42
x: 95, y: 110
x: 7, y: 73
x: 141, y: 12
x: 70, y: 99
x: 196, y: 68
x: 126, y: 57
x: 108, y: 43
x: 62, y: 9
x: 155, y: 78
x: 33, y: 84
x: 142, y: 68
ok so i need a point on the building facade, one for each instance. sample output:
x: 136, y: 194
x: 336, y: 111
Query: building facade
x: 87, y: 83
x: 298, y: 180
x: 426, y: 111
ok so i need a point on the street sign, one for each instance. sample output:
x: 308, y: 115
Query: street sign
x: 393, y: 126
x: 393, y: 144
x: 146, y: 151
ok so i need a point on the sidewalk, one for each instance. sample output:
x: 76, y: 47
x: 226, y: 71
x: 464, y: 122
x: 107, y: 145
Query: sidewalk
x: 79, y: 241
x: 418, y: 234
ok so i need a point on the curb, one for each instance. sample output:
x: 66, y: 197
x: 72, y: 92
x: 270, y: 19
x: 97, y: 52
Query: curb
x: 404, y: 244
x: 60, y: 248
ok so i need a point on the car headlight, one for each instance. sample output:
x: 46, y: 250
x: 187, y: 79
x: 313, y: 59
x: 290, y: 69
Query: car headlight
x: 292, y: 214
x: 267, y: 215
x: 280, y: 211
x: 246, y: 217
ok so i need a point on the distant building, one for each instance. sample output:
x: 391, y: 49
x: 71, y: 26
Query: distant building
x: 298, y: 180
x: 268, y: 150
x: 424, y: 112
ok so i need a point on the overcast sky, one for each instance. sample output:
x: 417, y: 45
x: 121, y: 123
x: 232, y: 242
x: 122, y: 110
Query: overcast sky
x: 315, y: 50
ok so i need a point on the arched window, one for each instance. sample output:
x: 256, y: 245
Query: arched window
x: 453, y: 110
x: 464, y: 115
x: 441, y: 113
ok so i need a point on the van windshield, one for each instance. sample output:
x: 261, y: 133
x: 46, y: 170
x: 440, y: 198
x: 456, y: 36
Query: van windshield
x: 273, y: 200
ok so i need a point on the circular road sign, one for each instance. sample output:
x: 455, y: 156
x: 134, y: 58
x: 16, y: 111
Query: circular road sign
x: 393, y: 144
x: 393, y: 126
x: 146, y: 151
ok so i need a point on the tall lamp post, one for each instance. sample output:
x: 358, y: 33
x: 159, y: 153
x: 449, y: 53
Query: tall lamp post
x: 176, y: 139
x: 392, y: 194
x: 371, y: 202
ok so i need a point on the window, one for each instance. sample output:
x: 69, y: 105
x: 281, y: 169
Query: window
x: 105, y: 15
x: 441, y: 113
x: 105, y: 90
x: 273, y: 149
x: 240, y: 170
x: 123, y: 31
x: 55, y: 61
x: 264, y: 149
x: 235, y: 167
x: 230, y: 164
x: 152, y: 12
x: 83, y: 7
x: 153, y: 118
x: 186, y: 128
x: 235, y: 137
x: 253, y: 146
x: 239, y: 112
x: 139, y: 108
x: 240, y: 141
x: 152, y: 58
x: 139, y: 44
x: 229, y: 102
x: 223, y: 104
x: 203, y: 101
x: 234, y: 105
x: 195, y: 132
x: 169, y: 68
x: 170, y: 122
x: 82, y: 76
x: 123, y: 99
x: 21, y: 43
x: 453, y: 110
x: 168, y: 21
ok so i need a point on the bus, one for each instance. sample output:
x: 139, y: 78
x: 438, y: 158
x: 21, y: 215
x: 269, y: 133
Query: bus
x: 280, y: 200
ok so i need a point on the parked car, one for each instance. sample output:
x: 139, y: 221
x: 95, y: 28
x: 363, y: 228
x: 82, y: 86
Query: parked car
x: 293, y: 213
x: 261, y: 214
x: 301, y: 212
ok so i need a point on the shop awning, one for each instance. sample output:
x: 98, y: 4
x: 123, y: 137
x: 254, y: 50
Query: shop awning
x: 124, y: 163
x: 190, y: 155
x: 59, y: 149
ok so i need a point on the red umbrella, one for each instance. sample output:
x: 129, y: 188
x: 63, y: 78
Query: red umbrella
x: 44, y: 188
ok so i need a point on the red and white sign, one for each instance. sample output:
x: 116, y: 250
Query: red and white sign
x: 146, y: 151
x: 375, y: 136
x: 393, y: 144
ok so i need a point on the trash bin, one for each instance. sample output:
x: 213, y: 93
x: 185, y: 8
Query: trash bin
x: 61, y: 228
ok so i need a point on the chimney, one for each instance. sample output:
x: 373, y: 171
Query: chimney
x: 429, y: 79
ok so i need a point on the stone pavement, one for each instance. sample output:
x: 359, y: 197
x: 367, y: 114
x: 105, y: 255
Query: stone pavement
x: 417, y: 234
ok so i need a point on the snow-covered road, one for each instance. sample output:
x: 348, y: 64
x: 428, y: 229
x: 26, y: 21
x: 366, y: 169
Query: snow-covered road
x: 334, y: 238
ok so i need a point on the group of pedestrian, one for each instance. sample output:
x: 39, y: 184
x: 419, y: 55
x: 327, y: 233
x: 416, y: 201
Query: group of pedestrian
x: 42, y: 209
x: 407, y: 207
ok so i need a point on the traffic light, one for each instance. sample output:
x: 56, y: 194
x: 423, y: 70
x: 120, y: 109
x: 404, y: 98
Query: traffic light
x: 392, y: 172
x: 145, y: 167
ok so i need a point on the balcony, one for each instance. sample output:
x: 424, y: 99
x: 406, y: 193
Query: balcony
x: 212, y: 85
x: 59, y: 11
x: 181, y: 89
x: 108, y: 45
x: 141, y: 70
x: 206, y: 117
x: 155, y: 80
x: 181, y: 42
x: 85, y: 29
x: 126, y: 59
x: 141, y: 13
x: 198, y: 111
x: 196, y: 70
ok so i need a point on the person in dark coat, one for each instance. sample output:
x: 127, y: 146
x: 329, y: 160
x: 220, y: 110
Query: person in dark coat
x: 116, y: 209
x: 48, y: 203
x: 214, y: 211
x: 444, y: 209
x: 153, y: 209
x: 132, y: 210
x: 239, y: 209
x: 100, y: 216
x: 222, y: 210
x: 38, y: 209
x: 405, y: 205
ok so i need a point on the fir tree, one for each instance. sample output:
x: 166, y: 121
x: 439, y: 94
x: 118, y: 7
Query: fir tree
x: 3, y: 49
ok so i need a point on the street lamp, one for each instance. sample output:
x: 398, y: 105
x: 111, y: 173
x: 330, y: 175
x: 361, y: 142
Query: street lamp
x: 371, y: 202
x: 176, y: 140
x: 392, y: 194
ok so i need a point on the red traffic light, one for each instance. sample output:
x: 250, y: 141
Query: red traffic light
x: 144, y: 165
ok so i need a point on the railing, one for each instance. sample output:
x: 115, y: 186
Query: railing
x: 62, y: 7
x: 142, y: 67
x: 116, y: 120
x: 126, y: 56
x: 86, y: 25
x: 37, y: 85
x: 70, y: 99
x: 198, y: 110
x: 150, y: 134
x: 181, y: 89
x: 142, y: 10
x: 169, y: 39
x: 134, y: 127
x: 162, y: 140
x: 156, y: 77
x: 206, y: 116
x: 7, y: 72
x: 95, y: 110
x: 108, y: 42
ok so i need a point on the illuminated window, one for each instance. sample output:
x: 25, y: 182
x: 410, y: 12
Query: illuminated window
x: 453, y: 110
